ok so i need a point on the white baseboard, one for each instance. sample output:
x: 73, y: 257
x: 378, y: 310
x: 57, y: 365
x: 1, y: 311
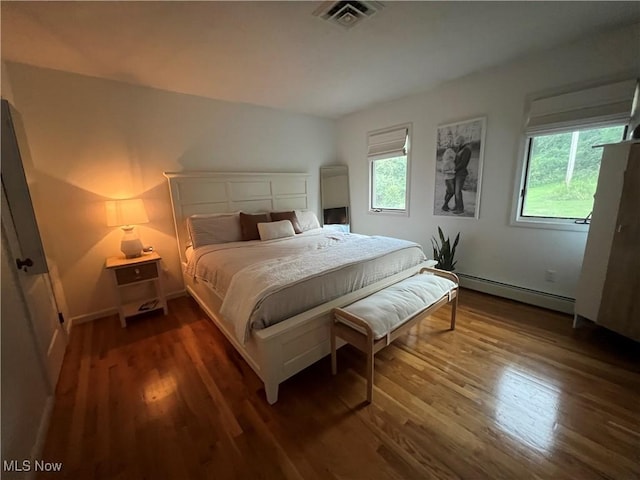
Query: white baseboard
x: 177, y: 294
x: 90, y: 317
x: 521, y: 294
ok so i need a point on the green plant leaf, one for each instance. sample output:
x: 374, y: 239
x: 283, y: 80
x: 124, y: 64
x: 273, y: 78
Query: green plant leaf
x: 443, y: 252
x: 455, y: 244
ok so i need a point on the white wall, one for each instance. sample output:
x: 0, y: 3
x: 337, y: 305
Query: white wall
x: 91, y: 140
x: 6, y: 88
x: 490, y: 248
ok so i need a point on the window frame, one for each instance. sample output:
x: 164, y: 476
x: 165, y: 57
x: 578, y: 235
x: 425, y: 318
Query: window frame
x: 520, y: 185
x: 370, y: 162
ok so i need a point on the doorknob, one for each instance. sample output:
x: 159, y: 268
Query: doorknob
x: 23, y: 264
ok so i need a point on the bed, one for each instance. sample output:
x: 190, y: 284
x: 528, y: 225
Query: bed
x: 272, y: 298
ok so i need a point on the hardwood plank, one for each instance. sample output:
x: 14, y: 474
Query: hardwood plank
x: 513, y: 392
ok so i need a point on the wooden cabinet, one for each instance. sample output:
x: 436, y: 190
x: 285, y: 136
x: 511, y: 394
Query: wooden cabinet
x: 141, y: 272
x: 609, y: 286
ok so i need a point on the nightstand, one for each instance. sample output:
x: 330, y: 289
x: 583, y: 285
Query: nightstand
x: 138, y: 284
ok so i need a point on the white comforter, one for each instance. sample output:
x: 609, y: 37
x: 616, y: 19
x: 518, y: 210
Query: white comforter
x: 264, y: 282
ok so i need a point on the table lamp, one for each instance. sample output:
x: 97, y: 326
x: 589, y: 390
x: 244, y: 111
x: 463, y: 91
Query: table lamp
x: 126, y: 214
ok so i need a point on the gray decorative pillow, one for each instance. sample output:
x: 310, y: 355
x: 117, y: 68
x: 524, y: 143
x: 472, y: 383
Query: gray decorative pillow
x: 214, y: 228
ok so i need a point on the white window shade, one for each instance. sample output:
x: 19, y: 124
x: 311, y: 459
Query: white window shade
x: 388, y: 144
x: 603, y: 104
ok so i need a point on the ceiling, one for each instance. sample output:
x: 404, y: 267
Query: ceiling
x: 278, y: 54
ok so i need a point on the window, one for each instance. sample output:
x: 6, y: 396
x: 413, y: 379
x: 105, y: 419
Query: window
x: 562, y: 172
x: 560, y: 167
x: 388, y: 155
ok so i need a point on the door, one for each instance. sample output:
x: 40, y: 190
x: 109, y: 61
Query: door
x: 26, y: 390
x: 28, y: 258
x: 50, y: 337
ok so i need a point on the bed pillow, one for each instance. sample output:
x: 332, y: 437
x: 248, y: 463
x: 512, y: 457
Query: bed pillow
x: 279, y: 229
x: 214, y: 228
x: 291, y: 216
x: 249, y: 225
x: 307, y: 220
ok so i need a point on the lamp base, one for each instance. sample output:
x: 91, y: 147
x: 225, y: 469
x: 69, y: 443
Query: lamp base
x: 131, y: 245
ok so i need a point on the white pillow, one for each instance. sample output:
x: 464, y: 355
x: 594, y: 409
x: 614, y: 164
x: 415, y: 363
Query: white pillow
x: 307, y: 220
x: 214, y: 228
x: 271, y: 230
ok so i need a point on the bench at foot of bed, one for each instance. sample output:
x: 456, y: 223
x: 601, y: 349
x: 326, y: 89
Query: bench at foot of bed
x: 372, y: 323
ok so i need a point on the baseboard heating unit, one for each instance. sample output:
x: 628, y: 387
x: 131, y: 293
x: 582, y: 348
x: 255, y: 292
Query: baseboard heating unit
x: 521, y: 294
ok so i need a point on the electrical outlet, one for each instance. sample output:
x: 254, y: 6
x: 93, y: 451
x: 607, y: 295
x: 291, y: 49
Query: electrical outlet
x: 550, y: 276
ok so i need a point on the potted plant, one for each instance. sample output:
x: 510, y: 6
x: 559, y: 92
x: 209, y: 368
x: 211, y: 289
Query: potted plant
x: 443, y: 252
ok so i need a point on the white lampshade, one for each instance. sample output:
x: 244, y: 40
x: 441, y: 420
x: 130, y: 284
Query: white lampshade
x: 126, y: 214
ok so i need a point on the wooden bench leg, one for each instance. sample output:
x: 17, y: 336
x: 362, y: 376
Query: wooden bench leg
x: 334, y: 357
x: 370, y: 372
x: 454, y: 308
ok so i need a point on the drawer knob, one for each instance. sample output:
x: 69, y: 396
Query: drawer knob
x: 137, y: 270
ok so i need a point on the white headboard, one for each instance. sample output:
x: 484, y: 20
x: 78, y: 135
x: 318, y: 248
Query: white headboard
x: 221, y: 192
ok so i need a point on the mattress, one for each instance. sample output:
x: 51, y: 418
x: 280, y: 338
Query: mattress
x: 264, y: 282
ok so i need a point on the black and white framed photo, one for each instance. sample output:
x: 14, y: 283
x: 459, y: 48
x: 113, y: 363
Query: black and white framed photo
x: 459, y: 154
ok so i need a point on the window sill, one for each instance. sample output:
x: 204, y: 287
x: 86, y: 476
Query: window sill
x: 550, y: 224
x: 393, y: 213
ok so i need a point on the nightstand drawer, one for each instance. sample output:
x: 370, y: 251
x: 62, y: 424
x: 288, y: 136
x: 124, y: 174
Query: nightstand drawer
x: 136, y: 273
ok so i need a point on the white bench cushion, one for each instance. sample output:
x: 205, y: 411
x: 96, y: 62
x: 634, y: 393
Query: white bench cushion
x: 389, y: 308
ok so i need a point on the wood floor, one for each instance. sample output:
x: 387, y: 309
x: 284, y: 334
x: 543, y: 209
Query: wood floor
x: 512, y: 393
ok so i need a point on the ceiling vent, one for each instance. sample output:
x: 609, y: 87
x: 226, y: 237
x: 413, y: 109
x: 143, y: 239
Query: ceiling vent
x: 347, y: 13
